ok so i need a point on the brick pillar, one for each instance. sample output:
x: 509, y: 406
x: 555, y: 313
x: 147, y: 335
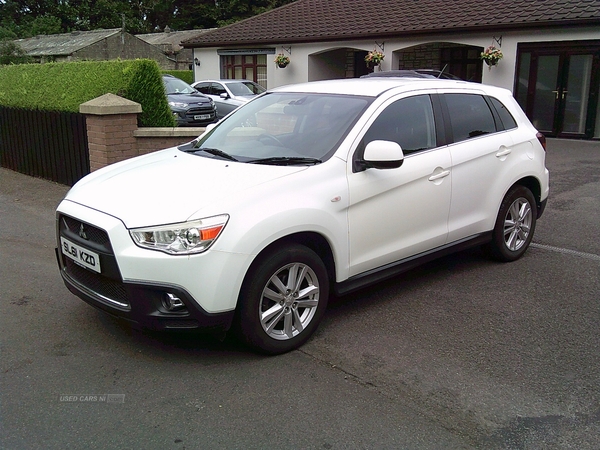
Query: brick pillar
x: 111, y: 123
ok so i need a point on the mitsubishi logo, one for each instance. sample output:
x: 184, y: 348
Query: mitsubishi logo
x: 82, y: 232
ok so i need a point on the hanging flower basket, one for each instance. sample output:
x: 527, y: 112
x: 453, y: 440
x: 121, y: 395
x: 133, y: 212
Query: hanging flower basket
x: 491, y: 56
x: 374, y: 58
x: 282, y: 61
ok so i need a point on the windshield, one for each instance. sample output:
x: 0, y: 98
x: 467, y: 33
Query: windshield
x: 177, y: 86
x: 245, y: 88
x: 296, y: 128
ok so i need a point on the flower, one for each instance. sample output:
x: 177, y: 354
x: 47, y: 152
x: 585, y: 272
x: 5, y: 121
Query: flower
x: 281, y: 60
x: 374, y: 58
x: 491, y: 55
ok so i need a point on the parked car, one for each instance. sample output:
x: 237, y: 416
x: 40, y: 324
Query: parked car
x: 189, y: 107
x: 414, y: 73
x: 306, y: 190
x: 397, y: 74
x: 438, y: 74
x: 229, y: 94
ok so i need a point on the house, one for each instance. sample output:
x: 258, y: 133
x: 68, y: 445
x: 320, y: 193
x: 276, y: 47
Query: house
x: 551, y: 49
x: 92, y: 45
x: 169, y: 42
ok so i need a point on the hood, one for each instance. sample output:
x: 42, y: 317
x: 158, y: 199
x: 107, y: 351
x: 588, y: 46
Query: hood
x: 191, y: 99
x: 170, y: 186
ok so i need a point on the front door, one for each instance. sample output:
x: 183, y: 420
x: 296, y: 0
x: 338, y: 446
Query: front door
x: 558, y: 88
x: 397, y: 213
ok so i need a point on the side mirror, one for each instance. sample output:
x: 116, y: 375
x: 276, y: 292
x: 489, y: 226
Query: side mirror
x: 224, y: 95
x: 382, y: 155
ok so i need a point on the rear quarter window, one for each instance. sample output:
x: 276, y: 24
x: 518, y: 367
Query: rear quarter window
x: 508, y: 121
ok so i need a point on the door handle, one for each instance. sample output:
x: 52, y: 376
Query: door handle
x: 505, y: 152
x: 437, y: 176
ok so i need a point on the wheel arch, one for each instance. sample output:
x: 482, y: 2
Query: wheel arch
x: 315, y: 241
x: 533, y: 184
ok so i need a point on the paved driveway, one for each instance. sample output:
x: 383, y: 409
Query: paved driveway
x: 460, y: 353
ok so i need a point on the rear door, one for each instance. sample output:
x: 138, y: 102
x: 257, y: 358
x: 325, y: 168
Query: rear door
x: 482, y: 153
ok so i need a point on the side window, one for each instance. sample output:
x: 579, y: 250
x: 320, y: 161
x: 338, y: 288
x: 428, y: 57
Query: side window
x: 408, y: 121
x: 217, y: 89
x: 506, y: 117
x: 202, y: 88
x: 470, y: 116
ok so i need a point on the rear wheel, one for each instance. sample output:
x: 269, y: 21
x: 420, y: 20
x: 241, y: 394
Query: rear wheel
x: 514, y: 226
x: 283, y: 299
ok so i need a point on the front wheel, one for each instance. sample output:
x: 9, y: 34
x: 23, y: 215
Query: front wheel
x: 283, y: 299
x: 514, y: 226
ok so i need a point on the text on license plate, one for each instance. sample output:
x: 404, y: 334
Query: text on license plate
x: 202, y: 117
x: 80, y: 255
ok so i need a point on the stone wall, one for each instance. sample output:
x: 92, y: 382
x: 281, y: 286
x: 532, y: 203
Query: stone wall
x: 426, y: 56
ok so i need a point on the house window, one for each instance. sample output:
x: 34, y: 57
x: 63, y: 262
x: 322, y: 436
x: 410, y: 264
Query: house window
x: 464, y: 62
x: 248, y: 67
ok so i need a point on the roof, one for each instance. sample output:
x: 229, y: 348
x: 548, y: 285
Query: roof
x: 372, y: 87
x: 170, y: 41
x: 63, y: 44
x: 331, y: 20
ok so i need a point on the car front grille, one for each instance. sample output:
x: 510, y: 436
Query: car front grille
x: 200, y: 111
x: 107, y: 286
x: 110, y: 290
x: 95, y: 235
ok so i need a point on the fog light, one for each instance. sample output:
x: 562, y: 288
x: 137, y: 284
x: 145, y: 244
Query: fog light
x: 172, y: 302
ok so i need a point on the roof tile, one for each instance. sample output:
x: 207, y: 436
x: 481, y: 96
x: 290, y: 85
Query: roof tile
x: 323, y: 20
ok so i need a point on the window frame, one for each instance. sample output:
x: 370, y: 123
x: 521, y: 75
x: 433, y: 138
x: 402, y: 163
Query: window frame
x: 498, y: 127
x: 438, y: 122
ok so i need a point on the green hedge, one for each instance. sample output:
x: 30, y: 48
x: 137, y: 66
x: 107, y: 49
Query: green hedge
x: 185, y: 75
x: 65, y: 86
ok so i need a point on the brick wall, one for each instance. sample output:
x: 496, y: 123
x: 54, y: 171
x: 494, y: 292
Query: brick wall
x: 110, y: 138
x: 113, y: 134
x: 149, y: 140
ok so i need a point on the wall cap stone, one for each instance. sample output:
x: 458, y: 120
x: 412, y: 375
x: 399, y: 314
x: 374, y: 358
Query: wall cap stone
x: 109, y: 104
x: 192, y: 132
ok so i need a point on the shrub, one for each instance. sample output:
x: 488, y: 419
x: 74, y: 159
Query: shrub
x: 144, y: 89
x: 64, y: 86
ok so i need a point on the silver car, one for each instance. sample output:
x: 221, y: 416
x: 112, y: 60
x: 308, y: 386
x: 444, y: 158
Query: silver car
x: 228, y: 94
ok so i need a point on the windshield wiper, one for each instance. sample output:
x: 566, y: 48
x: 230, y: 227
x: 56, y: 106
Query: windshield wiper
x: 212, y: 151
x: 285, y: 161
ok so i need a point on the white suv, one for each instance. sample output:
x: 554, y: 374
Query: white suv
x: 306, y: 190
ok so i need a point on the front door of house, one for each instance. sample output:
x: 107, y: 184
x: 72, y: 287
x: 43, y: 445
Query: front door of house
x: 558, y: 88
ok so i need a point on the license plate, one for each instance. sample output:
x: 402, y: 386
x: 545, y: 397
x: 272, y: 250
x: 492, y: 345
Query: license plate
x: 202, y: 117
x: 80, y: 255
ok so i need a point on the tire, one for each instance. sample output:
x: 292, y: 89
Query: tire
x: 514, y: 226
x: 283, y: 299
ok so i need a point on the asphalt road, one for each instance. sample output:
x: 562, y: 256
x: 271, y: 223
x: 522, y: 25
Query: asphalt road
x: 460, y: 353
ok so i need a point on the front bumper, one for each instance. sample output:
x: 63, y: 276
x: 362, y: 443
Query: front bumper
x: 140, y: 304
x: 134, y: 282
x: 188, y: 117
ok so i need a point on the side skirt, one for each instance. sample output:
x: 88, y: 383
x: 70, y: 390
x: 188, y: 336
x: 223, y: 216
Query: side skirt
x: 391, y: 270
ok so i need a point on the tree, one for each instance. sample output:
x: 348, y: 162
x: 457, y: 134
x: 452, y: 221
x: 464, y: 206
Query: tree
x: 11, y: 53
x: 26, y: 18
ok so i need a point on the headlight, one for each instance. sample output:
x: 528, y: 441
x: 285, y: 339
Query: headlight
x: 178, y: 104
x: 181, y: 238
